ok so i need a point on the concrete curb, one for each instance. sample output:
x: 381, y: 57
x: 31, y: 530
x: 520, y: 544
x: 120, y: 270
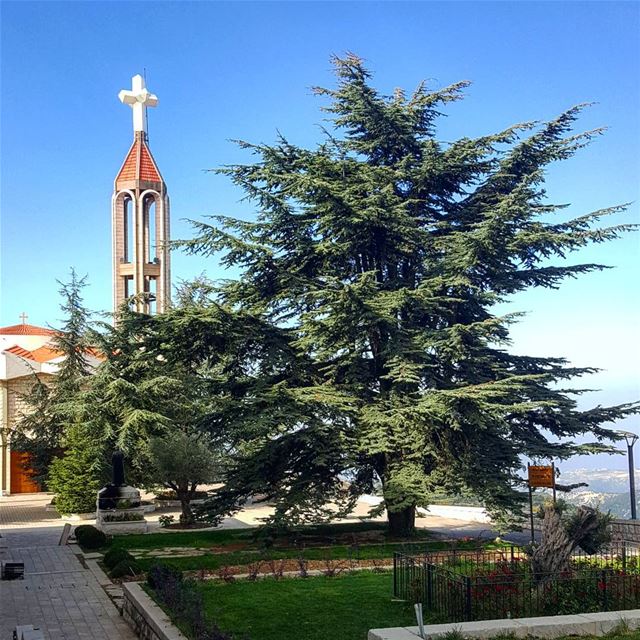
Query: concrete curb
x: 595, y: 624
x: 145, y: 617
x: 100, y: 575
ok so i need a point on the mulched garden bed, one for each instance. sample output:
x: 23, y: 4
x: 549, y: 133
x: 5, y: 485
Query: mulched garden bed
x: 281, y: 568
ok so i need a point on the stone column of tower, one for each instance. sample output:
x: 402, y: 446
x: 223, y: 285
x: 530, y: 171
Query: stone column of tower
x: 140, y: 218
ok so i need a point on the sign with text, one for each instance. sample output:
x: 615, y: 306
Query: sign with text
x: 541, y: 476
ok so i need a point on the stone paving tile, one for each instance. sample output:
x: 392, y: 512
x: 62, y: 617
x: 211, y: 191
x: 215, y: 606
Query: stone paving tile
x: 25, y: 510
x: 58, y: 594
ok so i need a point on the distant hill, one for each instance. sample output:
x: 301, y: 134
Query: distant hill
x: 617, y: 503
x: 608, y: 490
x: 599, y: 480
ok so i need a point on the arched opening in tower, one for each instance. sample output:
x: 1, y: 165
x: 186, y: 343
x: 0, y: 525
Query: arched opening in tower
x: 128, y: 229
x: 151, y: 239
x: 153, y: 296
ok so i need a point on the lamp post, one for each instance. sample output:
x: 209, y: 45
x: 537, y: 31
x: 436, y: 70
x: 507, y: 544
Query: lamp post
x: 631, y: 438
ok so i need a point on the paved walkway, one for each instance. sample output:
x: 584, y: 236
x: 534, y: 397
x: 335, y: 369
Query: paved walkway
x: 27, y: 510
x: 27, y: 513
x: 58, y: 594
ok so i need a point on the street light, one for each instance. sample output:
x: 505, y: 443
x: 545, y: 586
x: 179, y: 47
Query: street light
x: 631, y: 438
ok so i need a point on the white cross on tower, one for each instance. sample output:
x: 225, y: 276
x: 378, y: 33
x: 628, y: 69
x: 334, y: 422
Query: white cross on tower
x: 138, y: 99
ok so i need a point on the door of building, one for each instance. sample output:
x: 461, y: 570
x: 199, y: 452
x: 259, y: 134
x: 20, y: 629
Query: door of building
x: 21, y: 481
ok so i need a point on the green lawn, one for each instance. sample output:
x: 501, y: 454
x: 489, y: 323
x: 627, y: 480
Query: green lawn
x: 341, y: 608
x: 247, y: 545
x: 194, y: 539
x: 323, y: 533
x: 338, y: 552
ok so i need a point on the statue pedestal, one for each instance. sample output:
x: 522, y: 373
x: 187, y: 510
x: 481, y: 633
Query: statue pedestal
x: 119, y: 511
x: 118, y: 508
x: 120, y: 521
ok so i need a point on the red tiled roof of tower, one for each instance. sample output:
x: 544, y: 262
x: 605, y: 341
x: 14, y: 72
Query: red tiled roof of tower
x: 147, y: 169
x: 128, y: 171
x: 26, y: 330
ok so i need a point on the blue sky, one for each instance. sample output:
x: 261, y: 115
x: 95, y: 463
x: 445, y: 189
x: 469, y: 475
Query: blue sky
x: 244, y: 70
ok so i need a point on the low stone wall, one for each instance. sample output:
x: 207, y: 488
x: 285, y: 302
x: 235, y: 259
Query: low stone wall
x: 124, y: 527
x: 145, y: 617
x: 454, y: 512
x: 592, y: 624
x: 161, y: 503
x: 627, y: 530
x: 120, y: 527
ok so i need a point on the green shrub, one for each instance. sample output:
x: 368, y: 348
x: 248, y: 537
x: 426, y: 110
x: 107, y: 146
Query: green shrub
x: 184, y: 600
x: 126, y: 568
x: 166, y: 520
x: 123, y: 517
x: 163, y: 576
x: 89, y: 537
x: 75, y: 477
x: 115, y: 556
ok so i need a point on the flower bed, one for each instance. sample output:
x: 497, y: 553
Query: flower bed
x: 184, y: 601
x: 121, y: 521
x: 503, y: 586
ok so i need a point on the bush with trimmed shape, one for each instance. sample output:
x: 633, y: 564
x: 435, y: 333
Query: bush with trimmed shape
x: 128, y: 567
x: 116, y: 555
x: 89, y: 537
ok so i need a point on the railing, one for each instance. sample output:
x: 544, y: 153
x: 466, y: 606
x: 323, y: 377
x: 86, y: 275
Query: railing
x: 480, y: 585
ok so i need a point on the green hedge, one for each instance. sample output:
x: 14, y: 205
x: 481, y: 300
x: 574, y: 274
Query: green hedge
x: 89, y: 537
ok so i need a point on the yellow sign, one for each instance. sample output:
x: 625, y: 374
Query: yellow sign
x: 541, y: 476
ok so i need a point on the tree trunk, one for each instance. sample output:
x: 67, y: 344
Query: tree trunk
x: 185, y: 504
x: 402, y: 523
x: 554, y: 553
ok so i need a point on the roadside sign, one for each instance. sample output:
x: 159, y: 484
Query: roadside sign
x: 542, y: 476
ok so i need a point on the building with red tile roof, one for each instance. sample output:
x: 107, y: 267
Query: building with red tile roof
x: 25, y: 329
x: 26, y: 354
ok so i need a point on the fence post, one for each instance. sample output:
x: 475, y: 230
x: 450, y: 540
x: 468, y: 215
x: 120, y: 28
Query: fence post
x: 395, y: 574
x: 429, y: 594
x: 603, y: 582
x: 624, y: 555
x: 467, y: 599
x: 512, y: 555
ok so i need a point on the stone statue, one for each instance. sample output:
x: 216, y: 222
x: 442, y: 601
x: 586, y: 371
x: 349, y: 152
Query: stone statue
x: 112, y: 495
x: 117, y: 462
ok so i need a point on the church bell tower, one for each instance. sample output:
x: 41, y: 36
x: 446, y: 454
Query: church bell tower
x: 140, y: 217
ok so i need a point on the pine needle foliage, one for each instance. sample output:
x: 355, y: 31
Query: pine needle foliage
x: 157, y: 383
x: 51, y: 406
x: 78, y: 473
x: 374, y: 263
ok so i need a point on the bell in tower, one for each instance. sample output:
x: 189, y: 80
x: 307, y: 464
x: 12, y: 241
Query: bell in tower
x: 140, y: 217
